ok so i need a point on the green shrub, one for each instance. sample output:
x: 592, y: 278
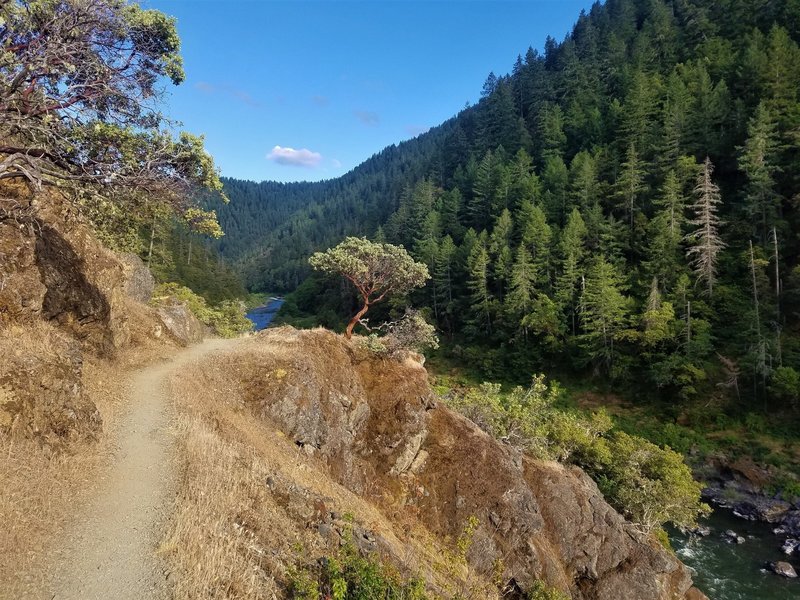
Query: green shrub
x: 227, y: 318
x: 350, y: 576
x: 649, y: 484
x: 785, y: 385
x: 541, y: 591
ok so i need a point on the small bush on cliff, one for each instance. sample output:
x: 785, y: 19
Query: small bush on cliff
x: 648, y: 484
x: 410, y: 332
x: 227, y: 318
x: 350, y: 576
x: 541, y: 591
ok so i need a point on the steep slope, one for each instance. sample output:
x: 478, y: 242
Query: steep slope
x: 352, y: 423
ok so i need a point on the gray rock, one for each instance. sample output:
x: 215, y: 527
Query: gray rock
x: 181, y: 324
x: 139, y: 282
x: 732, y: 537
x: 783, y: 569
x: 791, y: 546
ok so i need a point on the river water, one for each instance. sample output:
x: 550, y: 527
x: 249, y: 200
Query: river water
x: 262, y: 316
x: 726, y: 571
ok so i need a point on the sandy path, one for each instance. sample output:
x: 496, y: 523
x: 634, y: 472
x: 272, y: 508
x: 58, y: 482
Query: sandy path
x: 110, y: 550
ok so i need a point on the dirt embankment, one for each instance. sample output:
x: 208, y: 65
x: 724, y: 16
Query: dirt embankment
x: 73, y: 323
x: 293, y: 430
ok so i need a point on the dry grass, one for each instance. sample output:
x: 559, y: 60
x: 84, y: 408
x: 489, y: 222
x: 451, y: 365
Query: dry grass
x: 38, y: 493
x: 231, y: 536
x: 42, y: 487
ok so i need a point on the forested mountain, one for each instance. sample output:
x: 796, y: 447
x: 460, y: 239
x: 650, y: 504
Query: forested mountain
x: 624, y: 202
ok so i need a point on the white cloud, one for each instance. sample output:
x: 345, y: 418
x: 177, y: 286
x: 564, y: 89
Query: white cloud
x: 296, y: 158
x: 337, y: 164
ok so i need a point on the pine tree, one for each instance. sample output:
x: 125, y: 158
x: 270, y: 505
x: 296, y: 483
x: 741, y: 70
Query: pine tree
x: 537, y: 237
x: 630, y: 183
x: 571, y: 247
x: 500, y: 249
x: 521, y: 291
x: 663, y: 252
x: 706, y: 243
x: 757, y: 159
x: 478, y: 284
x: 604, y: 312
x: 443, y: 281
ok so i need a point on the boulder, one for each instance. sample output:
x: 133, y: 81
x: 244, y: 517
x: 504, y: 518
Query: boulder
x: 732, y: 537
x: 791, y: 546
x: 784, y: 569
x: 180, y: 323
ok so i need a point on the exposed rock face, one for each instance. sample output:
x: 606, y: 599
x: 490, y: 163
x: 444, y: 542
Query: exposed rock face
x: 376, y: 425
x: 61, y: 294
x: 139, y: 282
x: 52, y: 268
x: 181, y: 324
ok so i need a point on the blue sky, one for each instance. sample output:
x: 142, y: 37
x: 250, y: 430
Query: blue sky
x: 306, y: 90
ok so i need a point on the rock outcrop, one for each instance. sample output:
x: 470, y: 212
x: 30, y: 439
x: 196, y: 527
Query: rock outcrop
x: 52, y: 268
x: 376, y: 425
x: 62, y: 294
x: 180, y: 323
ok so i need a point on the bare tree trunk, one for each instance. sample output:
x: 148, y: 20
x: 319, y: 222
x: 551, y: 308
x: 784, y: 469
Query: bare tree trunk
x: 152, y: 239
x: 189, y: 256
x: 688, y: 324
x: 778, y: 348
x: 354, y: 321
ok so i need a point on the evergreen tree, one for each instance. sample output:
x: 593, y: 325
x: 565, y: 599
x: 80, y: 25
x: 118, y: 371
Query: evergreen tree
x: 758, y: 160
x: 571, y: 247
x: 518, y: 301
x: 630, y: 184
x: 478, y: 283
x: 604, y: 313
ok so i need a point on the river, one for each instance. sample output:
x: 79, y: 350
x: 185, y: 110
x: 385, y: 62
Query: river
x: 726, y: 571
x: 262, y: 316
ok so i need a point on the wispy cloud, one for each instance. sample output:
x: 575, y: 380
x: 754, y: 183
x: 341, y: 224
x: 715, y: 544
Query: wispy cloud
x: 367, y: 117
x: 415, y: 130
x: 295, y: 158
x: 321, y: 101
x: 233, y: 92
x: 337, y: 164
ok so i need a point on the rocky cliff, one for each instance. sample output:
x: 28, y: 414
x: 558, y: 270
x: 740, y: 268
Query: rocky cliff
x: 63, y: 295
x: 376, y: 426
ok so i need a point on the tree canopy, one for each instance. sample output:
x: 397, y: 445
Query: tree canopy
x: 375, y: 270
x: 80, y: 89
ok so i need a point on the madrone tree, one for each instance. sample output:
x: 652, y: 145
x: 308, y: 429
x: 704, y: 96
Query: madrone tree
x: 376, y: 270
x: 80, y: 89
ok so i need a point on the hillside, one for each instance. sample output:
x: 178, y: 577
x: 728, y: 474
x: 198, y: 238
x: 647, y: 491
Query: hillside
x: 622, y: 205
x: 290, y: 446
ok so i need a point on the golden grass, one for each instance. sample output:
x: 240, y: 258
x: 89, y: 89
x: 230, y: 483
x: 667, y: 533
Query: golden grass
x: 38, y: 493
x: 231, y: 537
x: 41, y: 488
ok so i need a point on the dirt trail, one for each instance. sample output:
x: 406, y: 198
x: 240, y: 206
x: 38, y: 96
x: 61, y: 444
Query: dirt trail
x: 110, y: 550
